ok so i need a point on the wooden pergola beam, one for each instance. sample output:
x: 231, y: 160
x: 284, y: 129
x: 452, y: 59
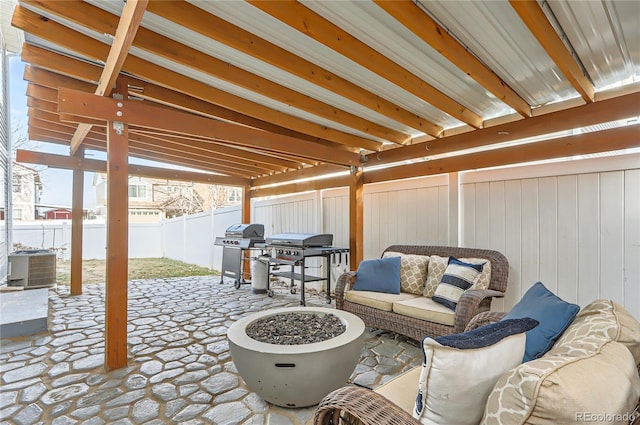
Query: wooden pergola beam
x: 305, y: 186
x: 51, y: 80
x: 125, y: 33
x: 414, y: 18
x: 176, y: 52
x: 582, y: 144
x: 203, y: 158
x: 86, y: 105
x: 580, y: 116
x: 302, y: 173
x: 223, y: 105
x: 98, y: 166
x: 309, y: 23
x: 196, y: 19
x: 534, y: 18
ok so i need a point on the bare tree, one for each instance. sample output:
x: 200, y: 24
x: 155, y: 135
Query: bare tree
x: 20, y: 139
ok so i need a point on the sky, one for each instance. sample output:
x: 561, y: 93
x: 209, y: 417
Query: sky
x: 56, y: 183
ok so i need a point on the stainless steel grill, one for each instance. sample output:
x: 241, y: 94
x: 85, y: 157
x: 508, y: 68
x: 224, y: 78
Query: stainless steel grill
x: 238, y: 239
x: 292, y: 249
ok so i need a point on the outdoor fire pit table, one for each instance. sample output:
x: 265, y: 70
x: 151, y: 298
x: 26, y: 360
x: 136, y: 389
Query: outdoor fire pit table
x: 296, y: 375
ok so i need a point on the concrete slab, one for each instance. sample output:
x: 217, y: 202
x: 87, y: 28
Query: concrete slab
x: 23, y: 312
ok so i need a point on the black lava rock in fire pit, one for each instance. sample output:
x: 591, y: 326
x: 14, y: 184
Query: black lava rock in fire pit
x: 295, y: 328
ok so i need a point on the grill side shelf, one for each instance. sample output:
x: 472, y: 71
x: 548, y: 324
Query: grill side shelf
x: 298, y: 276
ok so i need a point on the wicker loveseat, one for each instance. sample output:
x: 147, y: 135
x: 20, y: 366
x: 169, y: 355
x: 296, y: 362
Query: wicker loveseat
x: 590, y: 375
x: 472, y: 302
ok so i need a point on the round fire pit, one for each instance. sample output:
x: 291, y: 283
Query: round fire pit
x: 300, y: 374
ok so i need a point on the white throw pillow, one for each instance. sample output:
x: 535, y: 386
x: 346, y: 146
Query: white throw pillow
x: 456, y: 382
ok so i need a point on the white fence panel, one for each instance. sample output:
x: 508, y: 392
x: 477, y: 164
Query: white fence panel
x: 145, y: 240
x: 289, y: 214
x: 575, y: 226
x: 173, y: 236
x: 199, y: 237
x: 409, y: 212
x: 222, y: 219
x: 335, y: 220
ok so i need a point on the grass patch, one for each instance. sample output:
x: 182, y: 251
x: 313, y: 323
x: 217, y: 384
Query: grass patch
x: 93, y: 271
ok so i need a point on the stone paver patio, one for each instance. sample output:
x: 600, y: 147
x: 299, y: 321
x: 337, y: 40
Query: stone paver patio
x: 179, y: 371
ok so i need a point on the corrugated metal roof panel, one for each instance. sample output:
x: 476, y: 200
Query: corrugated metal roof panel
x: 373, y: 26
x: 606, y: 37
x: 495, y: 33
x: 244, y: 93
x: 257, y: 22
x: 262, y: 69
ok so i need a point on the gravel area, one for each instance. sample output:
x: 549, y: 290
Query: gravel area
x: 295, y: 328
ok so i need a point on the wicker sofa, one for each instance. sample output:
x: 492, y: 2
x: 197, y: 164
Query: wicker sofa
x: 380, y: 313
x: 592, y: 369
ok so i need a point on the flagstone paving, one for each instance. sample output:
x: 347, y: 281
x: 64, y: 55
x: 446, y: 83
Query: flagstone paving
x: 179, y: 369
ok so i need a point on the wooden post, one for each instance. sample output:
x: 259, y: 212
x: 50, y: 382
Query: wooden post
x: 246, y: 218
x: 246, y: 204
x: 76, y: 227
x: 117, y: 240
x: 356, y: 225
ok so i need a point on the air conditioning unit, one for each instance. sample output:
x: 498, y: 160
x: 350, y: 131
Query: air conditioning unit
x: 32, y: 269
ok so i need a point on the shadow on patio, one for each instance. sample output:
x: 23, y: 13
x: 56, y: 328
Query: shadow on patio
x: 179, y: 368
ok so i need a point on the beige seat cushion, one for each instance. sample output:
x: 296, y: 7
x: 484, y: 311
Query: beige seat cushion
x: 402, y: 389
x: 379, y: 300
x: 587, y: 372
x: 557, y: 389
x: 602, y: 320
x: 425, y: 309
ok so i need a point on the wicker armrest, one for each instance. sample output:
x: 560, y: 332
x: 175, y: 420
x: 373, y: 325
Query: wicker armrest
x: 344, y: 282
x: 471, y: 303
x: 353, y: 405
x: 485, y: 318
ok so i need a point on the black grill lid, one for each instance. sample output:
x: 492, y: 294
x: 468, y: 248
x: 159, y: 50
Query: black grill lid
x: 301, y: 239
x: 245, y: 231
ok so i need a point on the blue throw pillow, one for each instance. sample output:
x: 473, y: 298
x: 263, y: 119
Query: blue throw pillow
x: 379, y: 275
x: 487, y: 335
x: 554, y: 315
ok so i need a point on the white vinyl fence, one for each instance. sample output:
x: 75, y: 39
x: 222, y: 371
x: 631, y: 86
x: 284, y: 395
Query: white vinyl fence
x: 573, y: 225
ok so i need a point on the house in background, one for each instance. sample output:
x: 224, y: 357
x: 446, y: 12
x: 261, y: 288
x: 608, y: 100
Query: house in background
x: 58, y: 214
x: 26, y: 189
x: 151, y: 200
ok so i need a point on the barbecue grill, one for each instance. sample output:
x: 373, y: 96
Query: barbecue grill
x: 238, y: 239
x: 292, y: 249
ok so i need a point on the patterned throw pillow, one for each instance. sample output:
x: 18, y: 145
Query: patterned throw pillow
x: 413, y: 271
x: 458, y: 277
x: 484, y: 278
x: 437, y: 266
